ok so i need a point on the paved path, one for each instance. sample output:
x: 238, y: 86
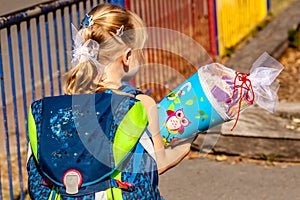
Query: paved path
x: 207, y: 179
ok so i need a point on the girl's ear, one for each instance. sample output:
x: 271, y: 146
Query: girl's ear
x: 125, y: 60
x: 126, y: 57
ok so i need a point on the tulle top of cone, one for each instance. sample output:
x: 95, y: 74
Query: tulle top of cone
x: 228, y: 91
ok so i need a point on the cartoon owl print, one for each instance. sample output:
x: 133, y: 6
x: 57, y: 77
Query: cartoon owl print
x: 176, y: 121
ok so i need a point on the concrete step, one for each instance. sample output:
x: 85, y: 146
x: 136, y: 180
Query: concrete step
x: 260, y: 134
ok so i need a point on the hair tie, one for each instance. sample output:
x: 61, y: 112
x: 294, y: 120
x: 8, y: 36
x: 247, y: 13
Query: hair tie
x: 87, y: 22
x: 120, y: 31
x: 84, y: 51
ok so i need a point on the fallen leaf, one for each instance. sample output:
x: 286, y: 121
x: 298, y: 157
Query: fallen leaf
x: 296, y: 120
x: 290, y: 127
x: 193, y: 155
x: 221, y: 158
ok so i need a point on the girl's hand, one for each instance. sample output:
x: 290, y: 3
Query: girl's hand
x: 165, y: 158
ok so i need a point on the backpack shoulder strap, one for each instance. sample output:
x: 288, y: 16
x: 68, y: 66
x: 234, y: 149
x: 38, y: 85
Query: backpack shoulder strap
x: 34, y: 122
x: 129, y: 131
x: 131, y: 90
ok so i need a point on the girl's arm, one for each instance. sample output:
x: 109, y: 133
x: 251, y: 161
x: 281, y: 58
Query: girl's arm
x: 165, y: 158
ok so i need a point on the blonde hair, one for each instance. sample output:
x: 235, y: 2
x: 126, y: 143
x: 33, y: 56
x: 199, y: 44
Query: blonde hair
x: 107, y: 19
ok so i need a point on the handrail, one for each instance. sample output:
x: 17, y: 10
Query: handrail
x: 35, y: 11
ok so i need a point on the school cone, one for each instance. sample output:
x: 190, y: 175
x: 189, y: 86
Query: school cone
x: 216, y: 94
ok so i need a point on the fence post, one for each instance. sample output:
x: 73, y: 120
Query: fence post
x: 117, y: 2
x: 40, y: 55
x: 3, y: 96
x: 57, y: 53
x: 48, y: 50
x: 213, y: 27
x: 30, y: 59
x: 127, y: 4
x: 24, y: 108
x: 268, y: 5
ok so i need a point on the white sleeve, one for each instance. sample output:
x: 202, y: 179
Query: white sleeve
x: 29, y: 152
x: 148, y: 145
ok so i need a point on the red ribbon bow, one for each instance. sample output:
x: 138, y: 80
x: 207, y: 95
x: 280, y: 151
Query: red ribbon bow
x: 244, y: 85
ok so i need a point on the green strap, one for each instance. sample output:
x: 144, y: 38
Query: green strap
x: 129, y: 131
x: 127, y: 135
x: 32, y: 133
x: 115, y: 193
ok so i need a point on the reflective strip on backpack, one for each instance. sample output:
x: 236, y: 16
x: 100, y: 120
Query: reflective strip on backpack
x: 101, y: 195
x: 32, y: 133
x: 54, y: 195
x: 129, y: 131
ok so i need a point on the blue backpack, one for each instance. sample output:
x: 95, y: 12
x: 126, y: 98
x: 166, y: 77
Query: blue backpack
x: 89, y: 146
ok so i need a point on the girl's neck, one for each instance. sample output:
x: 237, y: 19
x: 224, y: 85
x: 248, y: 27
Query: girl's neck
x: 113, y: 75
x: 111, y: 84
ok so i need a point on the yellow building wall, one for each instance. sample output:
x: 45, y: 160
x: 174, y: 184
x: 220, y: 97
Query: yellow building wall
x: 236, y: 18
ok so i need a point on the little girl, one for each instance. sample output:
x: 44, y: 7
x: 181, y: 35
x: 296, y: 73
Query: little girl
x: 108, y: 49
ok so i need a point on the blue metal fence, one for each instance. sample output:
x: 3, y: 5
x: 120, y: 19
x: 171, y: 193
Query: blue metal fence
x: 33, y: 61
